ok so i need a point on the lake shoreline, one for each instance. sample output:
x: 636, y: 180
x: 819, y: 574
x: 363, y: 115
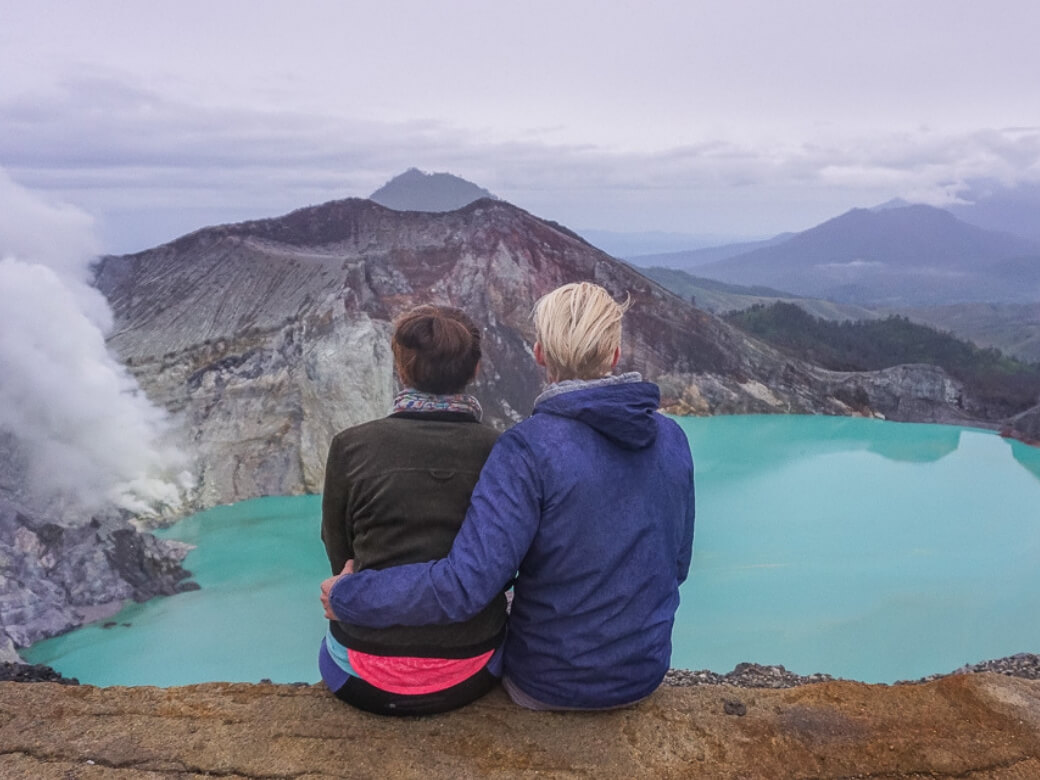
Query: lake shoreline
x: 744, y: 675
x: 752, y: 675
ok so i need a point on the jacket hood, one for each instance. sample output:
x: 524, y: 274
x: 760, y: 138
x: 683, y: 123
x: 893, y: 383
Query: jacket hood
x: 623, y: 412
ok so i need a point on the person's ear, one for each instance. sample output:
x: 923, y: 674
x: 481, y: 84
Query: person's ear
x: 539, y: 355
x: 617, y: 357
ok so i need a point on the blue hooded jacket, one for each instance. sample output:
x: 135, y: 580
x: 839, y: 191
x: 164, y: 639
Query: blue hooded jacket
x: 589, y: 502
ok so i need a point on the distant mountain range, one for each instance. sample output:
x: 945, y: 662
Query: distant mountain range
x: 721, y: 297
x: 994, y: 206
x: 897, y: 257
x: 692, y: 258
x: 635, y: 246
x: 903, y: 256
x: 894, y: 255
x: 1013, y: 328
x: 416, y: 190
x: 985, y: 204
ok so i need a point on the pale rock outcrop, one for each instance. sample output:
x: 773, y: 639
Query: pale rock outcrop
x: 249, y: 413
x: 1026, y: 426
x: 8, y: 652
x: 907, y: 393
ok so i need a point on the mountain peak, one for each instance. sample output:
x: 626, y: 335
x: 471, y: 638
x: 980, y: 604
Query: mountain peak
x: 416, y: 190
x: 893, y: 203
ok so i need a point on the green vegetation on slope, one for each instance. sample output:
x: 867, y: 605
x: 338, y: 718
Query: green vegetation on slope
x: 876, y: 344
x: 1013, y: 328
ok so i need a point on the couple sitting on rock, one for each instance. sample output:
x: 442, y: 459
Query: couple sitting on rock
x: 584, y: 510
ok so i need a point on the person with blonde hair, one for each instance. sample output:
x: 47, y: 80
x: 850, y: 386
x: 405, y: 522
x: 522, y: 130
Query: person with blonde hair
x: 588, y: 503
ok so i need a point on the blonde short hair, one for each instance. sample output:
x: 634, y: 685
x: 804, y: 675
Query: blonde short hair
x: 579, y: 328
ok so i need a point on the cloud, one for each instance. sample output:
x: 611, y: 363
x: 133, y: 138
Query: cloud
x: 118, y: 134
x: 87, y: 432
x: 114, y: 146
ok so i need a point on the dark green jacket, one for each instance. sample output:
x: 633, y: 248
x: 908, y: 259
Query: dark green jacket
x: 396, y: 491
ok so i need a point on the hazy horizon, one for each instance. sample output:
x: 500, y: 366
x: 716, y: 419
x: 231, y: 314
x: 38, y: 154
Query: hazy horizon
x: 736, y: 121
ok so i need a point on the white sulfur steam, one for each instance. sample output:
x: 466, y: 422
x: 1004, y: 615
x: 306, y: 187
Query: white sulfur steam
x: 88, y: 435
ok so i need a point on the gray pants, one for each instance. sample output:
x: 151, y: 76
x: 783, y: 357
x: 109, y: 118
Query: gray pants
x: 521, y: 699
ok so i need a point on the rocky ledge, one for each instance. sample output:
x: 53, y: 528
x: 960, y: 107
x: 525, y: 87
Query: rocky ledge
x: 971, y: 725
x: 13, y: 671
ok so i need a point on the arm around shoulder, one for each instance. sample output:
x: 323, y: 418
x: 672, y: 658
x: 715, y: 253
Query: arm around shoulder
x: 494, y: 538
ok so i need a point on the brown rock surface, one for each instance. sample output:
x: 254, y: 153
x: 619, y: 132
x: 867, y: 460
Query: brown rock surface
x: 964, y: 726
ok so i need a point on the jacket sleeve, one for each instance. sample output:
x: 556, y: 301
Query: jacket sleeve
x: 335, y: 525
x: 686, y: 544
x: 494, y: 538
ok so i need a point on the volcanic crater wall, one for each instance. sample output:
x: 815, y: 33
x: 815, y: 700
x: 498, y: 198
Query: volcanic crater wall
x: 267, y: 337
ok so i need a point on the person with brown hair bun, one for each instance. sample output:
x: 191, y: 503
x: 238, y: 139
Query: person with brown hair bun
x: 396, y: 491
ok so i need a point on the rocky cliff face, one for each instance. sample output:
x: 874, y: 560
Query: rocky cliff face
x: 57, y: 577
x: 267, y: 337
x: 60, y: 568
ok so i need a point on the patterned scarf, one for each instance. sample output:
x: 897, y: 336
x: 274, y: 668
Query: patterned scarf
x: 412, y: 400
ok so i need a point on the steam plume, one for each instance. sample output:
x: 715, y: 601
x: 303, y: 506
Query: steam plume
x: 87, y: 432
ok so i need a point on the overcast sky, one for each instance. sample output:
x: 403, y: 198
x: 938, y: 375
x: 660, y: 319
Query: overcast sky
x: 741, y: 118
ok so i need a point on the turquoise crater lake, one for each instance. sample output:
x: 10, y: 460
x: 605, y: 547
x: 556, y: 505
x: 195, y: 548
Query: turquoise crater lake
x: 869, y: 550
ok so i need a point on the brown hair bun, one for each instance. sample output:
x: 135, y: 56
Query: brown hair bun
x: 436, y: 349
